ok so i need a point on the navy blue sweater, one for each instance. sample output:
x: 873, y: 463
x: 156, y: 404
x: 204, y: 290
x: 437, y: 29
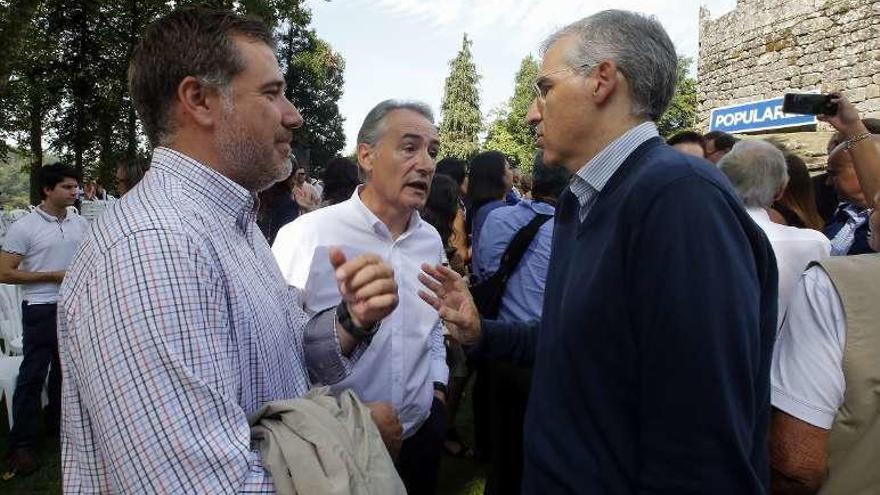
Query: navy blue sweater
x: 652, y: 362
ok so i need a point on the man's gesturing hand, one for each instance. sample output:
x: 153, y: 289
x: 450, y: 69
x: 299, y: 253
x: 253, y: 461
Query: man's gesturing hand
x: 385, y: 417
x: 451, y: 298
x: 367, y: 286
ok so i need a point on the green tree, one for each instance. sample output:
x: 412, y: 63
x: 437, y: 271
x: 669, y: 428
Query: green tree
x: 682, y: 111
x: 314, y: 76
x: 14, y: 181
x: 64, y: 81
x: 15, y: 21
x: 33, y: 90
x: 509, y: 133
x: 460, y: 109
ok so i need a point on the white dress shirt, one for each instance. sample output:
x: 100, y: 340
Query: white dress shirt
x: 794, y: 249
x: 407, y: 354
x: 807, y: 373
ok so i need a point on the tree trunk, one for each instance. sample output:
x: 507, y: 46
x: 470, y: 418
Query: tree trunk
x: 134, y: 29
x: 35, y: 140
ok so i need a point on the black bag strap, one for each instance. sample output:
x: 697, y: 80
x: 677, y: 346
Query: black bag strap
x: 517, y: 248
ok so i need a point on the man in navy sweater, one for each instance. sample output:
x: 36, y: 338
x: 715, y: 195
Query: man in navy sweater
x: 651, y: 364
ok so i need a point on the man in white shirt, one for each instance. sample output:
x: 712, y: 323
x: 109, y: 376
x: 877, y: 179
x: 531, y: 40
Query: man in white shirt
x: 405, y: 363
x: 758, y: 172
x: 36, y: 253
x: 825, y: 374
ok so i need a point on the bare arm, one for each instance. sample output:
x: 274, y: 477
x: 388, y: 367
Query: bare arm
x: 798, y: 455
x: 10, y: 274
x: 865, y: 152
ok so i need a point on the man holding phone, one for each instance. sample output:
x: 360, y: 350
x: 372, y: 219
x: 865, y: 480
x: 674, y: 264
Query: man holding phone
x: 855, y: 177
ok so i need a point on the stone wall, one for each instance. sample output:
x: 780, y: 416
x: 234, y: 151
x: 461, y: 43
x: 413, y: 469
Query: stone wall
x: 765, y: 48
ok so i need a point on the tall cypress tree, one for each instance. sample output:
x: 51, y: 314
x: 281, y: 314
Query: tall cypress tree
x: 460, y: 109
x: 509, y: 133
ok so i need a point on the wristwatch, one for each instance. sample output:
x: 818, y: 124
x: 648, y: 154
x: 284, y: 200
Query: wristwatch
x: 441, y: 387
x: 344, y: 319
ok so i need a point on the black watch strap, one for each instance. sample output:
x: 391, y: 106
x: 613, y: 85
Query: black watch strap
x: 440, y: 386
x: 344, y: 319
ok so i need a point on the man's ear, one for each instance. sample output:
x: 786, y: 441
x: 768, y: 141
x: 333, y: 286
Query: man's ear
x: 779, y: 192
x: 197, y: 102
x: 604, y: 81
x: 366, y: 156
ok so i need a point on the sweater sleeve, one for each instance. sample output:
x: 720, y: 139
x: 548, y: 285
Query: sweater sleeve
x: 701, y: 326
x: 513, y: 342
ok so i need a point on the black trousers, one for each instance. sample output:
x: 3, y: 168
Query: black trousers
x: 420, y: 454
x: 40, y: 347
x: 509, y: 395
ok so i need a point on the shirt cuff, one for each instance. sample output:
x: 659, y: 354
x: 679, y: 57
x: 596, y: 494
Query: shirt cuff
x: 324, y: 359
x: 439, y: 371
x: 801, y: 410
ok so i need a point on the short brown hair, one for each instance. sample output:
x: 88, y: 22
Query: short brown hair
x: 191, y: 41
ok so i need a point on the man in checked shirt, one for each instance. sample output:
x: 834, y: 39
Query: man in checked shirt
x: 174, y: 320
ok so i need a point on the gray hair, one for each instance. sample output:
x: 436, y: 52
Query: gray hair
x: 639, y: 46
x: 757, y: 170
x: 373, y: 127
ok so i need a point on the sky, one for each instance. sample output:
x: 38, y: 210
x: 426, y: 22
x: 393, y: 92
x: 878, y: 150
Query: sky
x: 402, y: 48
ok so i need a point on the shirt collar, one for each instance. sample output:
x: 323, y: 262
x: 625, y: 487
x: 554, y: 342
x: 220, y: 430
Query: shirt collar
x: 51, y: 218
x: 852, y: 210
x: 598, y: 171
x: 221, y: 192
x: 758, y: 214
x: 539, y: 207
x: 378, y: 226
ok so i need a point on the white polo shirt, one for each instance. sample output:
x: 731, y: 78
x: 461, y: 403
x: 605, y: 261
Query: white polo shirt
x: 407, y: 354
x: 48, y: 245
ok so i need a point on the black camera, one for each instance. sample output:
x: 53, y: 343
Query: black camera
x: 808, y: 104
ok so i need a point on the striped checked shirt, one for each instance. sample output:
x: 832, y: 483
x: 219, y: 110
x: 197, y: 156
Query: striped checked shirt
x: 174, y: 325
x: 589, y: 181
x: 856, y: 216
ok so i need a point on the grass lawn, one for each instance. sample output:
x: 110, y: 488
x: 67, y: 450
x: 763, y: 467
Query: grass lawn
x: 457, y: 476
x: 47, y: 480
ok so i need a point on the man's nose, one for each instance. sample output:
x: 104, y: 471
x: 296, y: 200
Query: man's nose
x: 534, y: 114
x: 291, y: 118
x: 426, y: 163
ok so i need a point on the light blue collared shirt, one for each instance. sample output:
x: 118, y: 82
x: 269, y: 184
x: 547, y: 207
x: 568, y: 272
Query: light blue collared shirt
x: 592, y: 177
x: 524, y: 295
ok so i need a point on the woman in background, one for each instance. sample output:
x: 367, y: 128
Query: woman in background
x: 490, y: 178
x: 277, y: 207
x: 797, y: 206
x: 441, y: 210
x: 340, y: 180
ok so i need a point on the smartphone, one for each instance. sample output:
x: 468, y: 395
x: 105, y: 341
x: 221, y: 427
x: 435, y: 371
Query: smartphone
x: 809, y: 104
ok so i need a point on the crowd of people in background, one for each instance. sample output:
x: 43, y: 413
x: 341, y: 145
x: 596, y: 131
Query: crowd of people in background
x: 690, y: 315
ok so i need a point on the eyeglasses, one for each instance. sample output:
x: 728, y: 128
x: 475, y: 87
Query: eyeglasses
x: 540, y: 87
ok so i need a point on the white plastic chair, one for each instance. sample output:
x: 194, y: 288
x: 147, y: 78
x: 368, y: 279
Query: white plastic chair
x: 11, y: 297
x: 8, y: 374
x: 17, y: 214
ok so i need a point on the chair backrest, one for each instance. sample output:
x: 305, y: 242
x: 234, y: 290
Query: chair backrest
x: 11, y: 297
x: 17, y: 214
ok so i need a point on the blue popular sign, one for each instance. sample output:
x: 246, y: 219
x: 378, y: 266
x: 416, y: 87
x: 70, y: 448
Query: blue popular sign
x: 756, y: 116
